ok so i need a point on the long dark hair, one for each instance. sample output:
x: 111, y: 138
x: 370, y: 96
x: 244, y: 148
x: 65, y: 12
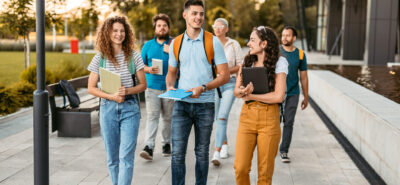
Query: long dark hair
x: 272, y: 53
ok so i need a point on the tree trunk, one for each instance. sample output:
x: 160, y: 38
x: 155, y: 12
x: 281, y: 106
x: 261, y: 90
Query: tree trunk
x: 25, y: 51
x: 28, y: 50
x: 83, y: 52
x: 54, y: 37
x: 141, y: 38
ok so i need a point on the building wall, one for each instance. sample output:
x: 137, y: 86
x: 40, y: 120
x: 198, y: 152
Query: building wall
x: 382, y: 28
x: 334, y: 26
x: 354, y: 24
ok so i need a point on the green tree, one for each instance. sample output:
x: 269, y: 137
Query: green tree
x: 82, y: 22
x: 245, y: 18
x: 124, y: 6
x: 215, y: 13
x: 5, y: 32
x: 53, y: 18
x: 270, y: 15
x: 19, y: 20
x: 174, y: 9
x: 141, y: 19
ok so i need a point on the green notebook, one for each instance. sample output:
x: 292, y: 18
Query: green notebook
x: 110, y: 81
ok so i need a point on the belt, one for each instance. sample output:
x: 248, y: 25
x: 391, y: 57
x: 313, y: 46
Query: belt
x: 130, y: 96
x: 247, y: 102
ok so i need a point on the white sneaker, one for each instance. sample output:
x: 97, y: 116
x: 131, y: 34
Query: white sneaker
x: 216, y: 159
x: 224, y: 151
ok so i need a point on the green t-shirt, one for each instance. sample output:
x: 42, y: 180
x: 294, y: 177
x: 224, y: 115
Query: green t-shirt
x: 292, y: 79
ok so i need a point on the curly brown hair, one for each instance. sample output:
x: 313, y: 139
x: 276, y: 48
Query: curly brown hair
x: 104, y: 44
x: 272, y: 53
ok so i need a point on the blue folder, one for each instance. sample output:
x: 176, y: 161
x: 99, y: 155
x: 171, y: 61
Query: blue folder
x: 178, y: 94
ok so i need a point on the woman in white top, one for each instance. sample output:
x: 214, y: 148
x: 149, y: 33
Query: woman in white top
x: 223, y: 105
x: 119, y: 112
x: 259, y: 119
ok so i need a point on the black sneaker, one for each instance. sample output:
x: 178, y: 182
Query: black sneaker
x: 147, y: 153
x: 166, y: 150
x: 285, y: 158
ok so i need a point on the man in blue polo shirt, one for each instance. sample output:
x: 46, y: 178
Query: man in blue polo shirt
x: 157, y: 49
x: 197, y: 110
x: 297, y: 63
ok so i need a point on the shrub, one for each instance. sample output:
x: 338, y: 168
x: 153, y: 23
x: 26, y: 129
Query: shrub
x: 24, y: 92
x: 8, y: 101
x: 69, y: 70
x: 19, y: 46
x: 29, y: 75
x: 21, y: 94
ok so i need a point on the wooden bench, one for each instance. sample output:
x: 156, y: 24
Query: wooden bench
x: 72, y: 122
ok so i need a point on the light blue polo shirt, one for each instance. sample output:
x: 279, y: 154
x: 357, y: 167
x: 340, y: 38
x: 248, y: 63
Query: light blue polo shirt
x: 194, y: 67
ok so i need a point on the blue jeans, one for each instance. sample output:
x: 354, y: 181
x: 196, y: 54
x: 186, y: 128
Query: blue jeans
x: 184, y: 115
x: 222, y: 108
x: 119, y: 123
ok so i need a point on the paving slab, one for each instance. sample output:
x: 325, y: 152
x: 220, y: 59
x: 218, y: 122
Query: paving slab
x: 317, y: 158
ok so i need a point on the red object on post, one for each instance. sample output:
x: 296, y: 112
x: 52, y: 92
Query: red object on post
x: 74, y: 46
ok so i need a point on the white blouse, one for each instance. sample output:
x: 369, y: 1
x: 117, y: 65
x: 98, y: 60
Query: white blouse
x: 233, y: 53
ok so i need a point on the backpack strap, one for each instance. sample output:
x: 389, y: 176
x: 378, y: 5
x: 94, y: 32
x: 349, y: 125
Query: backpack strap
x: 177, y: 47
x: 102, y: 62
x: 61, y: 91
x: 209, y: 48
x: 131, y: 66
x: 301, y: 55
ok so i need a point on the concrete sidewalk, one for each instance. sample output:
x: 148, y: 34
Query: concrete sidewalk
x: 317, y: 158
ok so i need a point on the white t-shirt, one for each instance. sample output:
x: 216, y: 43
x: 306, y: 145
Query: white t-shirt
x: 282, y: 66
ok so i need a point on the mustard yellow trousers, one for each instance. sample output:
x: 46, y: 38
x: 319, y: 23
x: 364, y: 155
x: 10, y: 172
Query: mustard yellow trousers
x: 258, y: 126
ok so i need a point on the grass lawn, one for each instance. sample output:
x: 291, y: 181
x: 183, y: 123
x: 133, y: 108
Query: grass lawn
x: 12, y: 63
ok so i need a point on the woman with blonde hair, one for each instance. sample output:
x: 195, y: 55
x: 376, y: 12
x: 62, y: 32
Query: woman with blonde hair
x: 119, y: 112
x: 259, y: 118
x: 233, y: 53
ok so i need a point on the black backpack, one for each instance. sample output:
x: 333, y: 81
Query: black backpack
x: 73, y: 98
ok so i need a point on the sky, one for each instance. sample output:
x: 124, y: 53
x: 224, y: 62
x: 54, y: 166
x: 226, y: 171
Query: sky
x: 69, y: 5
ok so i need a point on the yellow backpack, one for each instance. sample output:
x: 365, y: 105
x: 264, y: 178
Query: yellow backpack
x: 301, y: 55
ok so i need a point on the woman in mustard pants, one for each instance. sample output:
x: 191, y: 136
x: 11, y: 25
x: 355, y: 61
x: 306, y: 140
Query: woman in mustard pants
x: 259, y: 119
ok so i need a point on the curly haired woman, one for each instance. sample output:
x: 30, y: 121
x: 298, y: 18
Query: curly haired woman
x: 119, y: 112
x: 259, y: 118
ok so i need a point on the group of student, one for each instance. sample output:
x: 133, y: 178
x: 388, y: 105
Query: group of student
x: 211, y: 68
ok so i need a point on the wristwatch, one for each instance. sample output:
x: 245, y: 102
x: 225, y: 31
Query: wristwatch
x: 204, y: 87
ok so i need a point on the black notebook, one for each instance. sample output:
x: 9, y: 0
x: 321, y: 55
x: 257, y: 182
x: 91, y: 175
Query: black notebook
x: 257, y: 76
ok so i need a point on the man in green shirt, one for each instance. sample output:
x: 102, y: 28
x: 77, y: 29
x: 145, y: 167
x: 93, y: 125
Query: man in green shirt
x: 297, y: 63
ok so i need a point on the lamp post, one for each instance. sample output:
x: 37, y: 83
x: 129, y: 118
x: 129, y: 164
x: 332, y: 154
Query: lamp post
x: 40, y: 105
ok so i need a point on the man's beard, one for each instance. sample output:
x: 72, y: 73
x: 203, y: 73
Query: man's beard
x: 162, y: 36
x: 288, y: 43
